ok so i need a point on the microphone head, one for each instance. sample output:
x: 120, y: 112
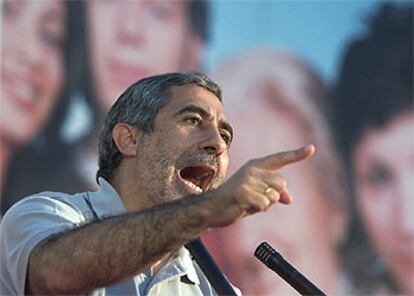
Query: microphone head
x: 272, y: 259
x: 266, y: 254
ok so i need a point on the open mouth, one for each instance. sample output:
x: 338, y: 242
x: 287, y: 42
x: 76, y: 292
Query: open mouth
x: 197, y: 178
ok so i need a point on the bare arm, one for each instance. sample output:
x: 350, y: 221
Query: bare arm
x: 111, y: 250
x: 108, y: 251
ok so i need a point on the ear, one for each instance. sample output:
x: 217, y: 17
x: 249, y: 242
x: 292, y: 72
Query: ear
x: 126, y: 138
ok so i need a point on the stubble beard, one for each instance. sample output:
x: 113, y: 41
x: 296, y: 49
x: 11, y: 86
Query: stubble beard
x: 157, y: 164
x: 155, y: 170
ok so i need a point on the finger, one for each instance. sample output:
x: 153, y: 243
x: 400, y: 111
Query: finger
x: 278, y: 160
x: 279, y: 185
x: 256, y: 202
x: 275, y: 181
x: 272, y: 195
x: 285, y: 197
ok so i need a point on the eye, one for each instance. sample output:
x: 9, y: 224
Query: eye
x: 379, y: 176
x: 158, y: 10
x: 193, y: 120
x: 226, y: 137
x: 10, y: 8
x: 52, y: 39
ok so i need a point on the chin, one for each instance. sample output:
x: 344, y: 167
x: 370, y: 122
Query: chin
x: 174, y: 194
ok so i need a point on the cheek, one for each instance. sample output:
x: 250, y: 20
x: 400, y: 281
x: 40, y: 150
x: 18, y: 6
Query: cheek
x: 18, y: 124
x: 52, y: 85
x: 10, y: 33
x: 377, y: 211
x: 224, y: 160
x: 101, y: 35
x: 102, y: 41
x: 7, y: 50
x: 175, y: 40
x: 55, y: 70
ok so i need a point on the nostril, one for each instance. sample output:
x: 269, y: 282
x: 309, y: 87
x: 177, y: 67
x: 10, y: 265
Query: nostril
x: 211, y: 149
x: 213, y: 144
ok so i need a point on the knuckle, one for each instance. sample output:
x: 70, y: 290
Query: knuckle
x: 250, y: 170
x: 272, y: 196
x: 248, y: 174
x: 250, y: 179
x: 265, y: 205
x: 280, y: 183
x: 243, y: 189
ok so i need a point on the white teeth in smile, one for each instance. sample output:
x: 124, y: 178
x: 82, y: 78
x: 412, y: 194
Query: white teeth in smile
x: 193, y: 186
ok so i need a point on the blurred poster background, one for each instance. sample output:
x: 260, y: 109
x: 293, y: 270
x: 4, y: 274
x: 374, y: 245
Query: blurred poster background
x: 338, y: 74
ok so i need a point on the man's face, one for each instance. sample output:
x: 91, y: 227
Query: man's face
x: 129, y: 40
x: 187, y: 151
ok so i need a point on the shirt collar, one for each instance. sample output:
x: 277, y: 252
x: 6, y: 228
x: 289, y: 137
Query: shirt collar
x: 106, y: 201
x: 180, y: 265
x: 188, y: 265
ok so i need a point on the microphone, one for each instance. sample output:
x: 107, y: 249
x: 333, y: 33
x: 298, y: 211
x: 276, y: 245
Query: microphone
x: 272, y: 259
x: 213, y: 273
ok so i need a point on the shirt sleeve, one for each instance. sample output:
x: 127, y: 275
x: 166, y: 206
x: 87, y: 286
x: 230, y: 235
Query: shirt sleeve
x: 25, y: 225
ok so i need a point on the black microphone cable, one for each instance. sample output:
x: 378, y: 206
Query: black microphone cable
x: 213, y: 273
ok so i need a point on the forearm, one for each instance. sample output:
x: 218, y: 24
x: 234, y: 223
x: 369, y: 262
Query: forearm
x: 108, y: 251
x: 104, y: 253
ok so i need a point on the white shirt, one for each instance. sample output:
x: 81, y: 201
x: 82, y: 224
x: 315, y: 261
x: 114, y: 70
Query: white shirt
x: 35, y: 218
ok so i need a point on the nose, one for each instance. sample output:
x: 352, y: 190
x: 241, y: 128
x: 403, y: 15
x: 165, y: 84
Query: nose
x: 213, y: 143
x: 31, y: 57
x: 131, y: 22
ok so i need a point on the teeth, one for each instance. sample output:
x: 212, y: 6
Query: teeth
x: 193, y: 186
x: 202, y: 176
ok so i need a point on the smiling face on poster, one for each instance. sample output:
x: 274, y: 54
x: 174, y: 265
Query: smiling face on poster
x: 274, y: 108
x: 32, y: 73
x: 374, y: 118
x: 129, y: 40
x: 383, y: 179
x: 32, y: 70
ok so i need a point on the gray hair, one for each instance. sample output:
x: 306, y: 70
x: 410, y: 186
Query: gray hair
x: 138, y: 106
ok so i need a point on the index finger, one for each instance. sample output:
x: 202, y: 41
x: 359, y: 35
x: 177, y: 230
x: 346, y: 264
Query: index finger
x: 279, y: 160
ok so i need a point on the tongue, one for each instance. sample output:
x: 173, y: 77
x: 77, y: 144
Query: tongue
x: 191, y: 174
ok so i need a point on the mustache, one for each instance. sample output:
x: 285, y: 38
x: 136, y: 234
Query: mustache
x: 201, y: 158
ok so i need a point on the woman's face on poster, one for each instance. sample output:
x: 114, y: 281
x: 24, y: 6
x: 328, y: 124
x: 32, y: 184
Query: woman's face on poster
x: 32, y: 65
x: 304, y: 231
x: 129, y: 40
x: 384, y: 181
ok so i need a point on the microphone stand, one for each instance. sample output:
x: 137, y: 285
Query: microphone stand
x: 213, y: 273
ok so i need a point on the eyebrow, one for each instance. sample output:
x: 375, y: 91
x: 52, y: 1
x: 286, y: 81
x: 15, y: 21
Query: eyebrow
x: 194, y: 109
x: 203, y: 113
